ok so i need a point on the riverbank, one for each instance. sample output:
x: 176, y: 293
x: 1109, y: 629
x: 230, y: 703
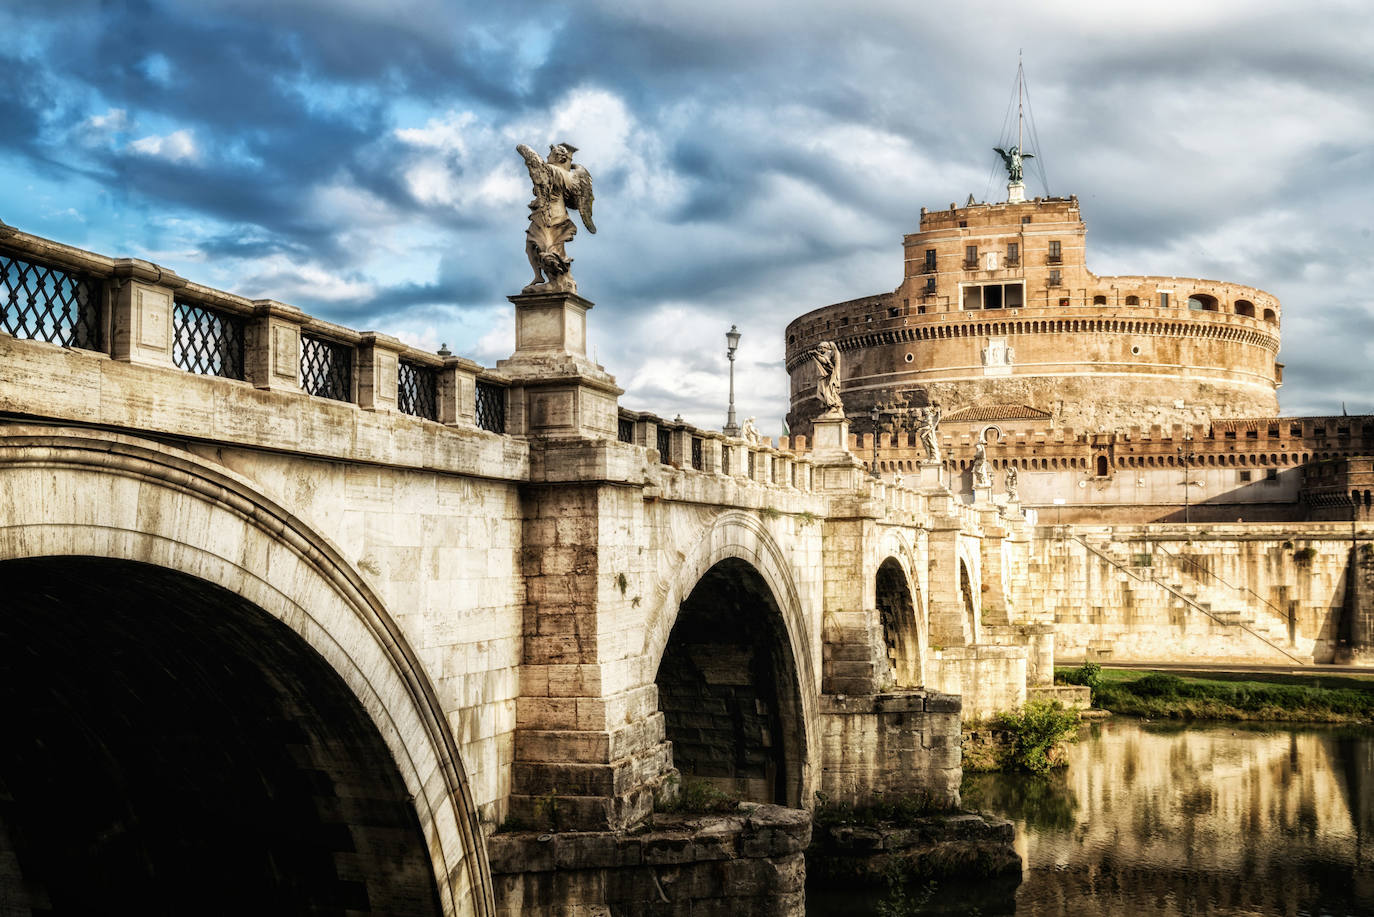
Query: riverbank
x: 1209, y: 695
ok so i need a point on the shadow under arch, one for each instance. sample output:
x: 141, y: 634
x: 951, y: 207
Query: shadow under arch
x: 740, y: 562
x: 896, y: 602
x: 77, y: 493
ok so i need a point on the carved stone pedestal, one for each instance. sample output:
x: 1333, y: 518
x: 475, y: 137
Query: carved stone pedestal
x: 932, y: 475
x: 982, y: 495
x: 556, y: 391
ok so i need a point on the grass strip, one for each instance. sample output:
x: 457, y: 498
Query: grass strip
x: 1317, y: 698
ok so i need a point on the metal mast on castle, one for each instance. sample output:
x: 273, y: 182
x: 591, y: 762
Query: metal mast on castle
x: 1014, y: 158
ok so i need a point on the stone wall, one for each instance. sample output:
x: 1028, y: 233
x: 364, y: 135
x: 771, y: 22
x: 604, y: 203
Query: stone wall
x: 1273, y: 593
x: 896, y: 744
x: 750, y: 863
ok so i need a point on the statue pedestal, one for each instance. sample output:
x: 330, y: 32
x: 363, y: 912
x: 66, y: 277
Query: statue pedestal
x: 982, y: 494
x: 830, y: 437
x: 1016, y: 192
x: 837, y: 470
x: 555, y: 390
x: 932, y: 475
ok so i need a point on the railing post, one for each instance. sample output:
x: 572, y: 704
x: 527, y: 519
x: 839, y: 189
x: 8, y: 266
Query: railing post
x: 711, y: 445
x: 141, y: 313
x: 458, y: 392
x: 378, y: 367
x: 272, y: 346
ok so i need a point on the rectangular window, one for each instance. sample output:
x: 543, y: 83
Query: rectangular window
x: 1013, y: 253
x: 1271, y: 474
x: 1056, y: 255
x: 1244, y: 476
x: 930, y: 284
x: 970, y: 257
x: 993, y: 296
x: 1295, y: 429
x: 1055, y: 279
x: 1025, y: 220
x: 1163, y: 300
x: 930, y: 260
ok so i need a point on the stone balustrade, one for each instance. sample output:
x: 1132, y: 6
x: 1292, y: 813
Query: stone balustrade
x: 141, y: 313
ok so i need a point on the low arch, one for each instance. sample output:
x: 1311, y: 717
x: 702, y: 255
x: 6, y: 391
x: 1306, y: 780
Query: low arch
x: 122, y: 499
x: 1244, y: 307
x: 735, y: 535
x: 898, y: 613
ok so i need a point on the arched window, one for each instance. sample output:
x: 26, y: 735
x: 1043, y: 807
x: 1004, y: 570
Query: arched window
x: 1270, y: 316
x: 1201, y: 302
x: 1245, y: 307
x: 1099, y: 300
x: 1132, y: 300
x: 1101, y: 466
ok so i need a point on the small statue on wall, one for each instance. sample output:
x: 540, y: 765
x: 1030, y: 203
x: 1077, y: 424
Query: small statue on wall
x: 928, y: 420
x: 559, y: 186
x: 826, y: 356
x: 982, y: 472
x: 1012, y: 476
x: 750, y: 431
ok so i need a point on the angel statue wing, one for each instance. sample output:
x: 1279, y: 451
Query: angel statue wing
x: 581, y: 193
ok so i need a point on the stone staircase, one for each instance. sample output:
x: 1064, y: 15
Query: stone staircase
x: 1242, y: 617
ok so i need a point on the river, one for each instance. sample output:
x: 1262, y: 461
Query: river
x: 1159, y: 819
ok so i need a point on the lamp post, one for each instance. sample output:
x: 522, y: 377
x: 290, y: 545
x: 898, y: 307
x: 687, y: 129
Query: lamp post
x: 732, y: 344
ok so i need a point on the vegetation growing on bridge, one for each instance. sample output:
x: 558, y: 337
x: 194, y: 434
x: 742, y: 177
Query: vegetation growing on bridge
x: 1316, y: 698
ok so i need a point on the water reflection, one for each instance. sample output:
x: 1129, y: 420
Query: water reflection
x: 1167, y: 820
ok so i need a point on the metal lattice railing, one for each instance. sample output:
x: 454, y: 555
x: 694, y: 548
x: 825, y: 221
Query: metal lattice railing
x: 725, y: 460
x: 663, y: 445
x: 417, y: 390
x: 326, y: 368
x: 751, y: 465
x: 626, y: 430
x: 207, y: 341
x: 44, y: 303
x: 491, y: 407
x: 696, y: 453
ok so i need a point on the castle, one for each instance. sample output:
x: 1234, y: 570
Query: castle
x: 1098, y: 390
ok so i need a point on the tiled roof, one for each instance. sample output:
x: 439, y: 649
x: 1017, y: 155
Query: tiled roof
x: 982, y: 412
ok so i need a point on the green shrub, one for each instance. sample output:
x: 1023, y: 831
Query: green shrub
x: 1089, y: 674
x: 1039, y: 730
x: 1304, y: 556
x: 1156, y: 684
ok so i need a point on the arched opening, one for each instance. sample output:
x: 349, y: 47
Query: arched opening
x: 1245, y: 307
x: 1202, y: 302
x: 901, y: 625
x: 1102, y: 466
x: 1271, y: 316
x: 1099, y: 300
x: 172, y: 748
x: 728, y: 689
x: 966, y: 595
x: 1132, y: 300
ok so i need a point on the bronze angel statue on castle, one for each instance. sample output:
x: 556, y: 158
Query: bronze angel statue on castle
x: 559, y: 186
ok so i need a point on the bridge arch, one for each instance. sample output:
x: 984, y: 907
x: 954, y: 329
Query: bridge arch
x: 898, y: 597
x: 735, y: 585
x: 83, y: 500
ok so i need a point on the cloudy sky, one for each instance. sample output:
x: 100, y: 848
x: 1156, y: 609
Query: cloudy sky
x: 753, y: 160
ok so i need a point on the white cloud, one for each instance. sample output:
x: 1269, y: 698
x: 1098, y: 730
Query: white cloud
x: 178, y: 146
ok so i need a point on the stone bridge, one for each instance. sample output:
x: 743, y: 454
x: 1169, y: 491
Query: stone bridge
x: 315, y: 610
